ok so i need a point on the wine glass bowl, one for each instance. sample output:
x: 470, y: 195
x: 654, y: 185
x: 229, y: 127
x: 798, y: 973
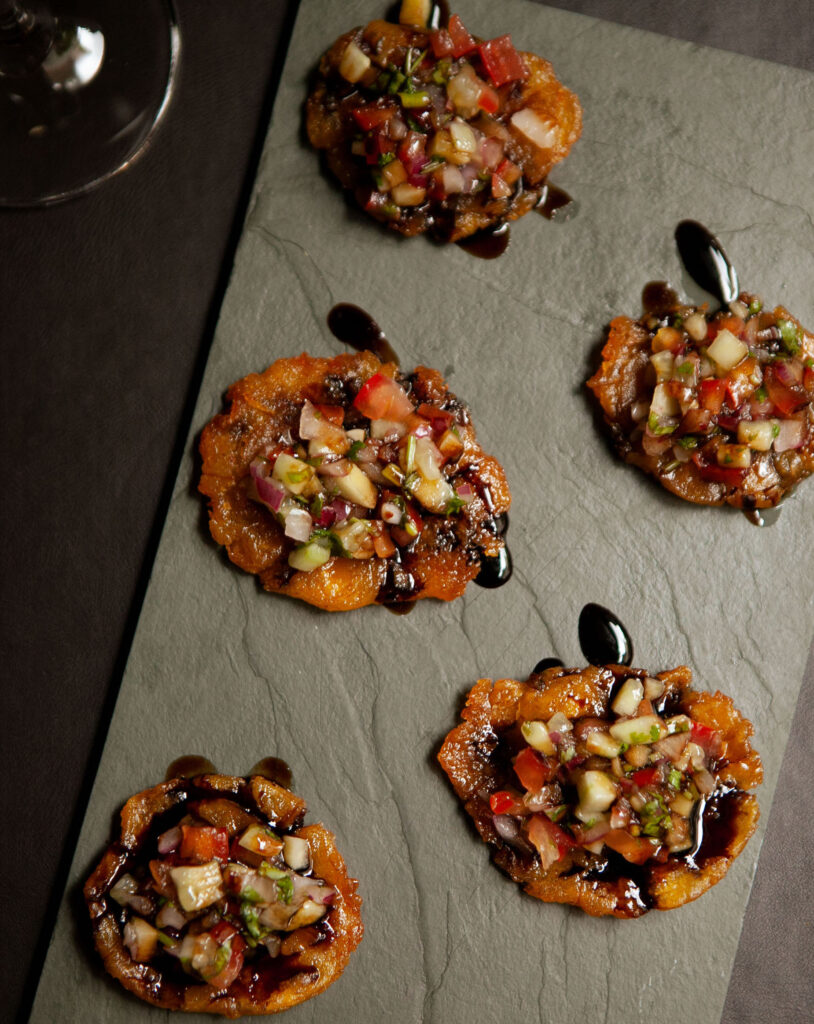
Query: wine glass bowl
x: 82, y: 90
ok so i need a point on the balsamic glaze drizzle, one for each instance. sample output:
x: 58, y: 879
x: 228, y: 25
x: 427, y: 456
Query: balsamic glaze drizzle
x: 705, y: 261
x: 603, y: 638
x: 353, y: 326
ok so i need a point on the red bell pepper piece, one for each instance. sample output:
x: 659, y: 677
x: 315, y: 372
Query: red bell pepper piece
x: 504, y: 802
x: 462, y: 41
x: 635, y: 849
x: 372, y: 116
x: 502, y: 62
x: 711, y: 393
x: 381, y: 398
x: 441, y: 43
x: 709, y: 739
x: 646, y: 777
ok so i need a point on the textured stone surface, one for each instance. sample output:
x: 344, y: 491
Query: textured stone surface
x: 358, y: 703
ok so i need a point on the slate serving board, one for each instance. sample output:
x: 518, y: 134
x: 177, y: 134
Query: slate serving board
x: 358, y: 703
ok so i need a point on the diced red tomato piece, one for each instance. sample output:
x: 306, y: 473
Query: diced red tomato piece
x: 489, y: 100
x: 550, y: 841
x: 404, y: 537
x: 372, y: 116
x: 646, y: 777
x: 533, y: 770
x: 334, y: 414
x: 441, y: 43
x: 508, y: 171
x: 222, y: 932
x: 462, y: 41
x: 381, y: 398
x: 200, y: 844
x: 506, y: 802
x: 730, y: 323
x: 500, y: 190
x: 787, y: 399
x: 695, y: 421
x: 225, y: 977
x: 635, y: 849
x: 383, y: 544
x: 709, y: 739
x: 502, y: 62
x: 731, y: 476
x: 376, y: 144
x: 439, y: 418
x: 711, y: 393
x: 808, y: 378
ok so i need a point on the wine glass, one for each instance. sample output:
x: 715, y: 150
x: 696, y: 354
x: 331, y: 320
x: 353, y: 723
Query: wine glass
x: 83, y: 85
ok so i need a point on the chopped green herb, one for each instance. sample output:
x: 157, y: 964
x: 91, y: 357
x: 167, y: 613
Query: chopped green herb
x: 222, y: 957
x: 790, y: 335
x: 454, y: 505
x: 269, y: 871
x: 386, y: 158
x: 689, y: 441
x: 250, y: 895
x: 285, y: 889
x: 411, y: 61
x: 755, y: 306
x: 658, y: 428
x: 354, y: 449
x: 761, y: 394
x: 412, y: 481
x: 413, y: 124
x: 250, y: 917
x: 165, y: 940
x: 433, y: 165
x: 555, y: 813
x: 397, y: 80
x: 775, y: 429
x: 415, y: 99
x: 686, y: 367
x: 297, y: 476
x: 409, y: 454
x: 655, y: 732
x: 671, y: 466
x: 674, y: 778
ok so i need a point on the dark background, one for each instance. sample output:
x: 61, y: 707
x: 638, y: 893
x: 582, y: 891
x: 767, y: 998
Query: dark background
x: 107, y: 308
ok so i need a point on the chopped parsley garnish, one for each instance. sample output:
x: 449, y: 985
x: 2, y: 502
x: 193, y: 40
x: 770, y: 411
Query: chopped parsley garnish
x: 355, y: 448
x: 689, y: 441
x: 454, y: 505
x: 285, y: 889
x: 790, y: 336
x: 674, y: 778
x: 250, y: 916
x: 659, y: 428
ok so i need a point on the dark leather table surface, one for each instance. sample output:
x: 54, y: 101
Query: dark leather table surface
x: 107, y: 308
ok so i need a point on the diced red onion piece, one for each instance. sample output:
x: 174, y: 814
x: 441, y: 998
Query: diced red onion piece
x: 506, y: 827
x: 311, y: 423
x: 327, y: 517
x: 339, y: 467
x: 704, y: 781
x: 791, y: 435
x: 788, y: 372
x: 597, y: 831
x: 341, y: 509
x: 298, y: 524
x: 268, y: 490
x: 170, y: 916
x: 672, y: 747
x: 169, y: 840
x: 272, y: 943
x: 452, y: 181
x: 465, y: 492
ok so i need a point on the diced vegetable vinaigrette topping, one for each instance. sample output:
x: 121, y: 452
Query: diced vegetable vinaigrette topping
x: 727, y: 388
x: 210, y: 901
x: 431, y: 122
x: 355, y: 491
x: 629, y: 782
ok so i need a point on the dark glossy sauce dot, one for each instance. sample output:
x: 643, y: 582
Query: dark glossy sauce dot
x: 275, y: 770
x: 495, y: 570
x: 353, y: 326
x: 555, y: 204
x: 400, y: 607
x: 705, y: 260
x: 659, y: 298
x: 603, y: 638
x: 762, y: 516
x: 188, y: 766
x: 488, y: 243
x: 545, y: 663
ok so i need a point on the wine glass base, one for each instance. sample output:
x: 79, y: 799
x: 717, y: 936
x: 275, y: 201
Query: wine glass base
x: 93, y: 107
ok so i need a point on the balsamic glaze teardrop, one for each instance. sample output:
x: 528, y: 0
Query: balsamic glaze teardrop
x: 275, y: 770
x: 488, y: 243
x: 495, y: 570
x: 353, y: 326
x: 705, y: 260
x: 545, y: 663
x: 603, y: 638
x: 188, y: 766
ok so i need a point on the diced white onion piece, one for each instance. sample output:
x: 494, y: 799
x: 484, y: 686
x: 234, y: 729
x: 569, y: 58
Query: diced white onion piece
x: 293, y: 473
x: 696, y: 326
x: 536, y: 735
x: 381, y: 430
x: 678, y: 723
x: 354, y: 63
x: 463, y: 137
x: 356, y: 434
x: 464, y: 90
x: 261, y: 840
x: 682, y: 805
x: 704, y: 781
x: 698, y: 758
x: 309, y: 556
x: 452, y: 181
x: 602, y: 744
x: 672, y: 747
x: 393, y: 174
x: 198, y: 886
x: 540, y: 133
x: 140, y: 938
x: 272, y: 943
x: 663, y: 364
x: 629, y: 697
x: 758, y: 434
x: 353, y: 534
x: 427, y: 459
x: 391, y: 513
x: 415, y: 13
x: 559, y: 723
x: 739, y: 308
x: 357, y: 487
x: 125, y: 887
x: 653, y: 688
x: 642, y: 729
x: 308, y: 913
x: 170, y: 916
x: 596, y: 791
x: 406, y: 194
x: 298, y: 524
x: 727, y: 350
x: 790, y: 435
x: 663, y: 405
x: 297, y: 853
x: 434, y: 495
